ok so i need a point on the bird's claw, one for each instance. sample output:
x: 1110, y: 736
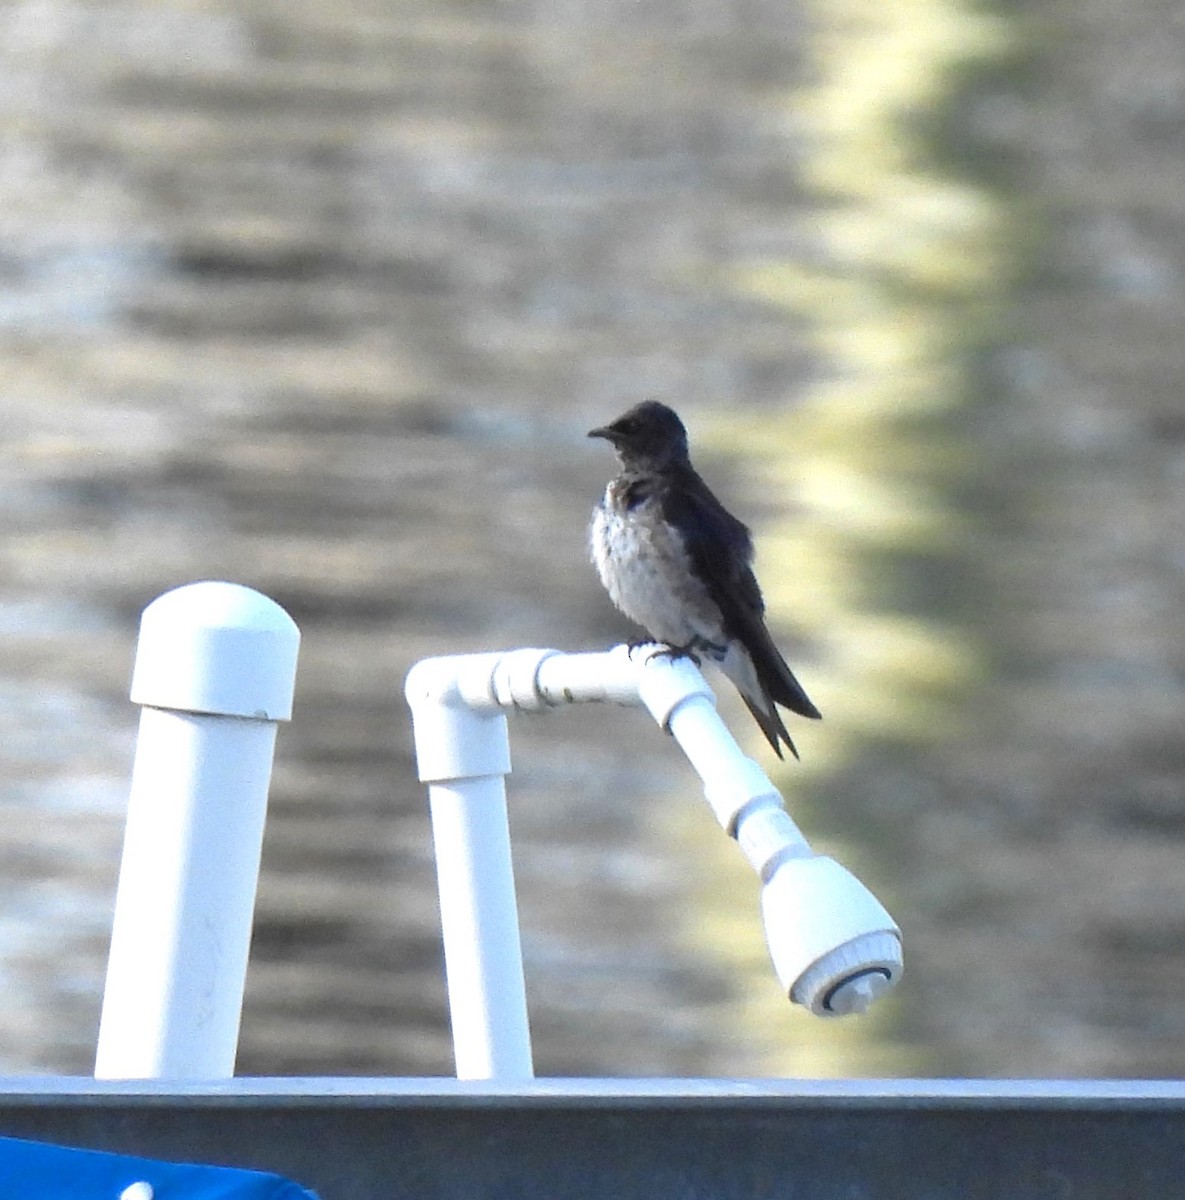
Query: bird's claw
x: 675, y: 652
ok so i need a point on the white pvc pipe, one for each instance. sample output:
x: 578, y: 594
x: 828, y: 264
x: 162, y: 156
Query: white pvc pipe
x: 463, y: 754
x: 215, y: 670
x: 834, y: 947
x: 479, y: 920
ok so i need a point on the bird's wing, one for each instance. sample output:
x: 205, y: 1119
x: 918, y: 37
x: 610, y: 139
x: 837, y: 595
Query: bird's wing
x: 721, y: 551
x: 720, y: 547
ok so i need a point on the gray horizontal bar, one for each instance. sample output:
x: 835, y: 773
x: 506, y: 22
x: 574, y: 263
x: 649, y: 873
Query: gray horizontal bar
x: 640, y: 1139
x: 433, y: 1090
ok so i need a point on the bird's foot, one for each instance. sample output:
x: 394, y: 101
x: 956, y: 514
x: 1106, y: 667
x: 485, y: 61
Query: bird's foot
x: 673, y: 652
x: 663, y: 649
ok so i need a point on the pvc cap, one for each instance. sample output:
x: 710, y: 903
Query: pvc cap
x: 217, y: 648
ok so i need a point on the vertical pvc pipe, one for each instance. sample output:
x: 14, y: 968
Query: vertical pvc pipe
x: 479, y: 921
x: 463, y: 754
x: 215, y: 670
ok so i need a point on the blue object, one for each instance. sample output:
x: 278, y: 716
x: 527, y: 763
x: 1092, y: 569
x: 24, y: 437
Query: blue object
x: 36, y: 1169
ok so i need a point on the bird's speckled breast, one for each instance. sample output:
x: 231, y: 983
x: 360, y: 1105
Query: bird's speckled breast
x: 645, y: 570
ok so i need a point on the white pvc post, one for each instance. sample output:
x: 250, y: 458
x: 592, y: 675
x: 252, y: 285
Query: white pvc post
x: 215, y: 671
x: 463, y: 754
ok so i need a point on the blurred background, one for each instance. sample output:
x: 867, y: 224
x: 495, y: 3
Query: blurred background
x: 323, y: 298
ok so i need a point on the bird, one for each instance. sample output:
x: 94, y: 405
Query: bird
x: 675, y: 561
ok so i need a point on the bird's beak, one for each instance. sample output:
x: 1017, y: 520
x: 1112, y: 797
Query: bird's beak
x: 602, y: 431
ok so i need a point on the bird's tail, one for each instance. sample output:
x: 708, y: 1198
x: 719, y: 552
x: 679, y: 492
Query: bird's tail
x: 779, y: 684
x: 770, y: 723
x: 764, y: 681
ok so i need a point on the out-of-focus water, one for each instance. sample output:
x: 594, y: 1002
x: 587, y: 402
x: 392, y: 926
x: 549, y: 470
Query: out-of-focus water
x: 322, y: 299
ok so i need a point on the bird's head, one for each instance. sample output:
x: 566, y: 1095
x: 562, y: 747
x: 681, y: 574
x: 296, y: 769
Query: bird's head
x: 649, y: 435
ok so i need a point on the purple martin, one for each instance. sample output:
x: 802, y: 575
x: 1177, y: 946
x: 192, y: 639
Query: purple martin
x: 675, y: 561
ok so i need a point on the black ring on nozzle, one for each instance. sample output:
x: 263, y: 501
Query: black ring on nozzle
x: 881, y: 971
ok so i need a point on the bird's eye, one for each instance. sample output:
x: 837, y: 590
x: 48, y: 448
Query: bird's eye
x: 627, y: 426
